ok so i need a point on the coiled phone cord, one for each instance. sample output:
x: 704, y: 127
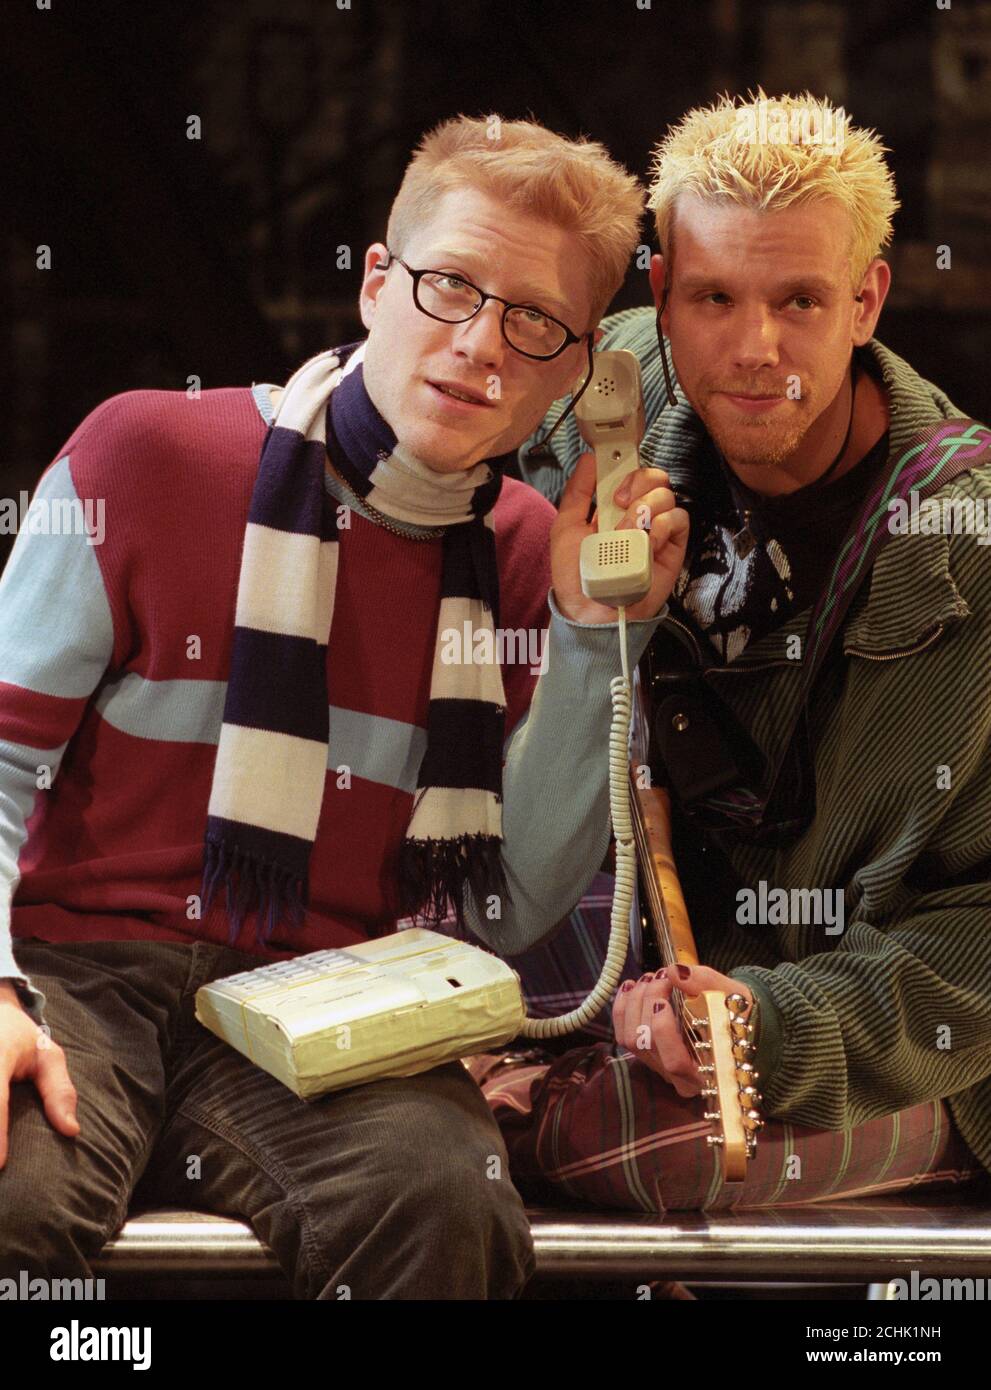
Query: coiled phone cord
x: 626, y: 862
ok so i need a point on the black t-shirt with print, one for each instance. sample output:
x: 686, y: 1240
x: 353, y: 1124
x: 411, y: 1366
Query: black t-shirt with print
x: 737, y: 593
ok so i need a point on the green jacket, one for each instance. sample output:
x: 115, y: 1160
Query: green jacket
x: 896, y: 1009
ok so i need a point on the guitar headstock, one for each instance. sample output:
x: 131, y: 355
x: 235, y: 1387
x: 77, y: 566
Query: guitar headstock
x: 718, y: 1031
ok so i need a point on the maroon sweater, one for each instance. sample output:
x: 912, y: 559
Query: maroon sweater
x: 114, y: 659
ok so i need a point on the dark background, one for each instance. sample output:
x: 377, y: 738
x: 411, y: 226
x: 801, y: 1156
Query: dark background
x: 217, y: 257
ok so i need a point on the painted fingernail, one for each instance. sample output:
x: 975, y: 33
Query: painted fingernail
x: 683, y: 972
x: 626, y: 985
x: 644, y: 978
x: 658, y: 1006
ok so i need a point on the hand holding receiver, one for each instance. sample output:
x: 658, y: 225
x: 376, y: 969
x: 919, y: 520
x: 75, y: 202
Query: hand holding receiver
x: 27, y: 1053
x: 634, y: 553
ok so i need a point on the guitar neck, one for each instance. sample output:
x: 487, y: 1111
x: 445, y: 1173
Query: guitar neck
x: 714, y: 1028
x: 650, y: 808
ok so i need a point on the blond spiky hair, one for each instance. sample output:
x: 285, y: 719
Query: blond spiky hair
x: 769, y: 152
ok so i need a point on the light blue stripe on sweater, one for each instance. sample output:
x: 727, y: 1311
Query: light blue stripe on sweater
x: 56, y: 631
x: 377, y: 749
x: 179, y: 711
x: 381, y: 750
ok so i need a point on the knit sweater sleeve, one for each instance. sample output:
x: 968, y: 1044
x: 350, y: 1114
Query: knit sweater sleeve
x: 556, y: 822
x: 886, y: 1021
x: 56, y: 641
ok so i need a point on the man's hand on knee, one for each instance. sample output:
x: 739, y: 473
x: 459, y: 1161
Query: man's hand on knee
x: 27, y: 1053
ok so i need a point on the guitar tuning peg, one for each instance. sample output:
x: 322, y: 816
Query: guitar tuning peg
x: 736, y: 1003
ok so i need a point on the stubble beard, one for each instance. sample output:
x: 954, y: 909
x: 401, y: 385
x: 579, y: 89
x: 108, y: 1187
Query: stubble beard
x: 757, y: 442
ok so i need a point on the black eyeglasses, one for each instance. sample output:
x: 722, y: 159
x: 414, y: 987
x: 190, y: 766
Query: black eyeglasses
x: 453, y: 299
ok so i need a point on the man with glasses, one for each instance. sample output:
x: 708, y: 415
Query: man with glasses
x: 254, y: 746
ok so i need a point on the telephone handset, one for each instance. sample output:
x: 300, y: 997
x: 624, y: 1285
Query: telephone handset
x: 402, y: 1003
x: 615, y: 565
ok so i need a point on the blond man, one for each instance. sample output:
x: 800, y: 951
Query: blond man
x: 836, y: 860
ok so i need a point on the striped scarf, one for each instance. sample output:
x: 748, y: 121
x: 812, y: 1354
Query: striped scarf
x: 273, y: 753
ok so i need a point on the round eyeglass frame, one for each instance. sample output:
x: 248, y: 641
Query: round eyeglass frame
x: 417, y: 276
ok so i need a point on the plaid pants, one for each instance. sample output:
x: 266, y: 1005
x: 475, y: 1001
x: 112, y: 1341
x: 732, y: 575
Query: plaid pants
x: 595, y: 1124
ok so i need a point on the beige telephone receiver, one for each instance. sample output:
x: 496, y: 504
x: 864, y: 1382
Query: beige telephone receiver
x: 413, y: 1000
